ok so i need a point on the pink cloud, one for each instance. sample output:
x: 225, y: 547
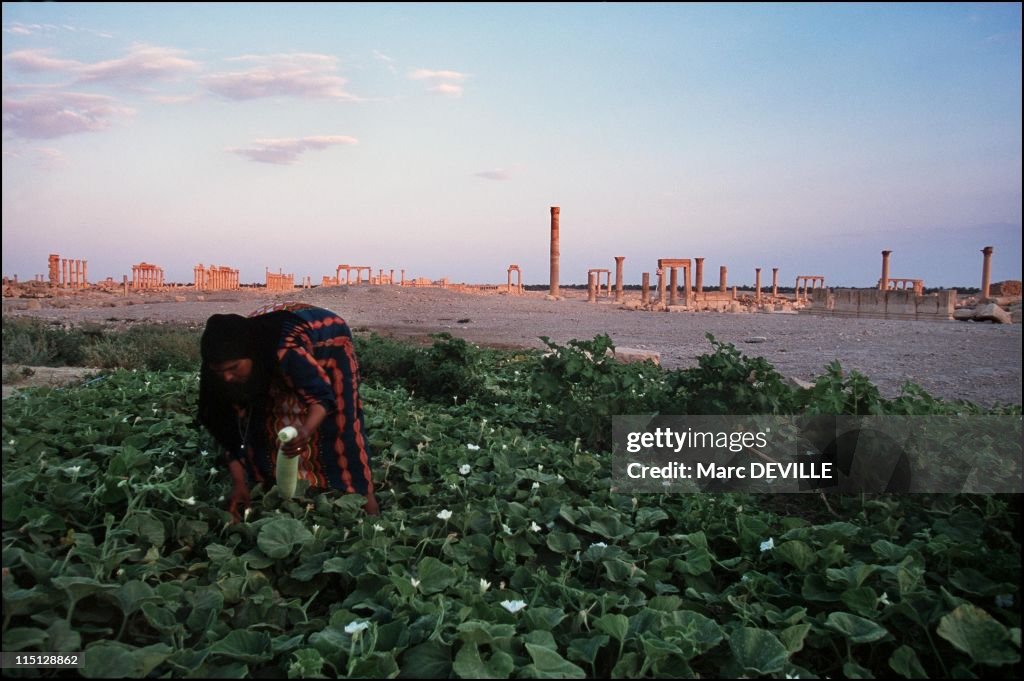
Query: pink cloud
x: 427, y: 74
x: 33, y: 61
x: 142, y: 63
x: 284, y: 75
x: 55, y: 114
x: 444, y: 82
x: 286, y: 151
x: 448, y: 89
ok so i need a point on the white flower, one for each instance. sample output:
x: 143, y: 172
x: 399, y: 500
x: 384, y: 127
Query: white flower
x: 415, y: 582
x: 513, y: 606
x: 245, y: 516
x: 120, y: 571
x: 535, y: 485
x: 454, y: 485
x: 599, y: 544
x: 473, y: 448
x: 464, y: 469
x: 884, y: 599
x: 445, y: 514
x: 191, y: 501
x: 205, y: 453
x: 540, y: 467
x: 484, y: 585
x: 502, y: 585
x: 123, y: 483
x: 316, y: 527
x: 1004, y: 600
x: 560, y: 478
x: 73, y: 470
x: 377, y: 527
x: 213, y: 471
x: 534, y: 527
x: 356, y: 627
x: 159, y: 470
x: 506, y: 528
x: 11, y: 442
x: 792, y: 676
x: 768, y: 545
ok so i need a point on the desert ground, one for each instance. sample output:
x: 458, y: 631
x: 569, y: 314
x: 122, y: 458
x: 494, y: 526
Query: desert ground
x: 979, y: 362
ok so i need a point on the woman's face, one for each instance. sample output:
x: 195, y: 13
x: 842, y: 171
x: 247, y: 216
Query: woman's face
x: 233, y: 371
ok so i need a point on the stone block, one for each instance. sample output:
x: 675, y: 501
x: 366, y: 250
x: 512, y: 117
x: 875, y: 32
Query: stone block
x: 963, y: 314
x: 992, y: 313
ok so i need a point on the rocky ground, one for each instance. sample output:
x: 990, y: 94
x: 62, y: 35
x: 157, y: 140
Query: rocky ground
x: 979, y: 362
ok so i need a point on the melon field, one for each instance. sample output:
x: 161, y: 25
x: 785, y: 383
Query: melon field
x: 501, y: 550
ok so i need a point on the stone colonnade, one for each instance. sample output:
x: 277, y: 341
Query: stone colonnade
x: 146, y: 275
x: 68, y: 273
x: 279, y: 281
x: 215, y: 278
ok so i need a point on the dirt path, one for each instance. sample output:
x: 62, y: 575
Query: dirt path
x: 952, y: 360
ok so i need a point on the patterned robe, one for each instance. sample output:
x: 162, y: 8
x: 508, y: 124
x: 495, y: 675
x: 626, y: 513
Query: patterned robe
x: 317, y: 366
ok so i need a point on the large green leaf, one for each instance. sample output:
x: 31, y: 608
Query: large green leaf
x: 856, y: 629
x: 796, y: 553
x: 469, y: 664
x: 245, y: 646
x: 904, y: 662
x: 280, y: 536
x: 434, y: 575
x: 548, y: 664
x: 757, y: 650
x: 616, y: 626
x: 975, y: 632
x: 113, y: 660
x: 428, y: 660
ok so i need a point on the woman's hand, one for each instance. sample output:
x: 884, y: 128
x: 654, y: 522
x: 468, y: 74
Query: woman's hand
x: 298, y: 444
x: 241, y: 498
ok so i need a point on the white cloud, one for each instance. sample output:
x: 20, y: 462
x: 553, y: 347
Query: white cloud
x: 286, y: 151
x: 449, y: 89
x: 282, y: 75
x: 427, y: 74
x: 142, y: 63
x: 441, y: 82
x: 47, y: 115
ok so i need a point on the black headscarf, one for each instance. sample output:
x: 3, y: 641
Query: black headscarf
x: 228, y: 337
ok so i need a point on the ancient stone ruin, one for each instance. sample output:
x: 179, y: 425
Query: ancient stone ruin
x: 65, y: 273
x: 519, y: 280
x: 215, y: 278
x: 279, y: 281
x: 147, y: 276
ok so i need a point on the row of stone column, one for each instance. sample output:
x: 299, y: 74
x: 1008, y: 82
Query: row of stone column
x: 279, y: 281
x: 68, y: 273
x: 215, y: 278
x: 146, y: 275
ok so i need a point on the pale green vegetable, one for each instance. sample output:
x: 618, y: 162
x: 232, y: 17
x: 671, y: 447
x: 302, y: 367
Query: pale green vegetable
x: 287, y: 466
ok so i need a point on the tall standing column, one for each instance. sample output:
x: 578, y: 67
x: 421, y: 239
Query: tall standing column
x: 618, y: 277
x: 553, y: 285
x: 883, y: 283
x: 986, y: 271
x: 757, y: 283
x: 662, y: 288
x: 687, y: 290
x: 673, y: 287
x: 775, y: 282
x: 592, y: 287
x: 645, y: 294
x: 699, y: 283
x: 723, y: 279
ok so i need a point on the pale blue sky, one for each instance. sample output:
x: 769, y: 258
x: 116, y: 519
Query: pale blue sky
x: 435, y: 138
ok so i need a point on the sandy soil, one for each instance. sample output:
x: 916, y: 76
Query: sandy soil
x: 979, y: 362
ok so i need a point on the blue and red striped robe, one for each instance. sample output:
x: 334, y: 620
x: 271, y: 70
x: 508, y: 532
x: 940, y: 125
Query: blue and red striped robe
x: 318, y: 365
